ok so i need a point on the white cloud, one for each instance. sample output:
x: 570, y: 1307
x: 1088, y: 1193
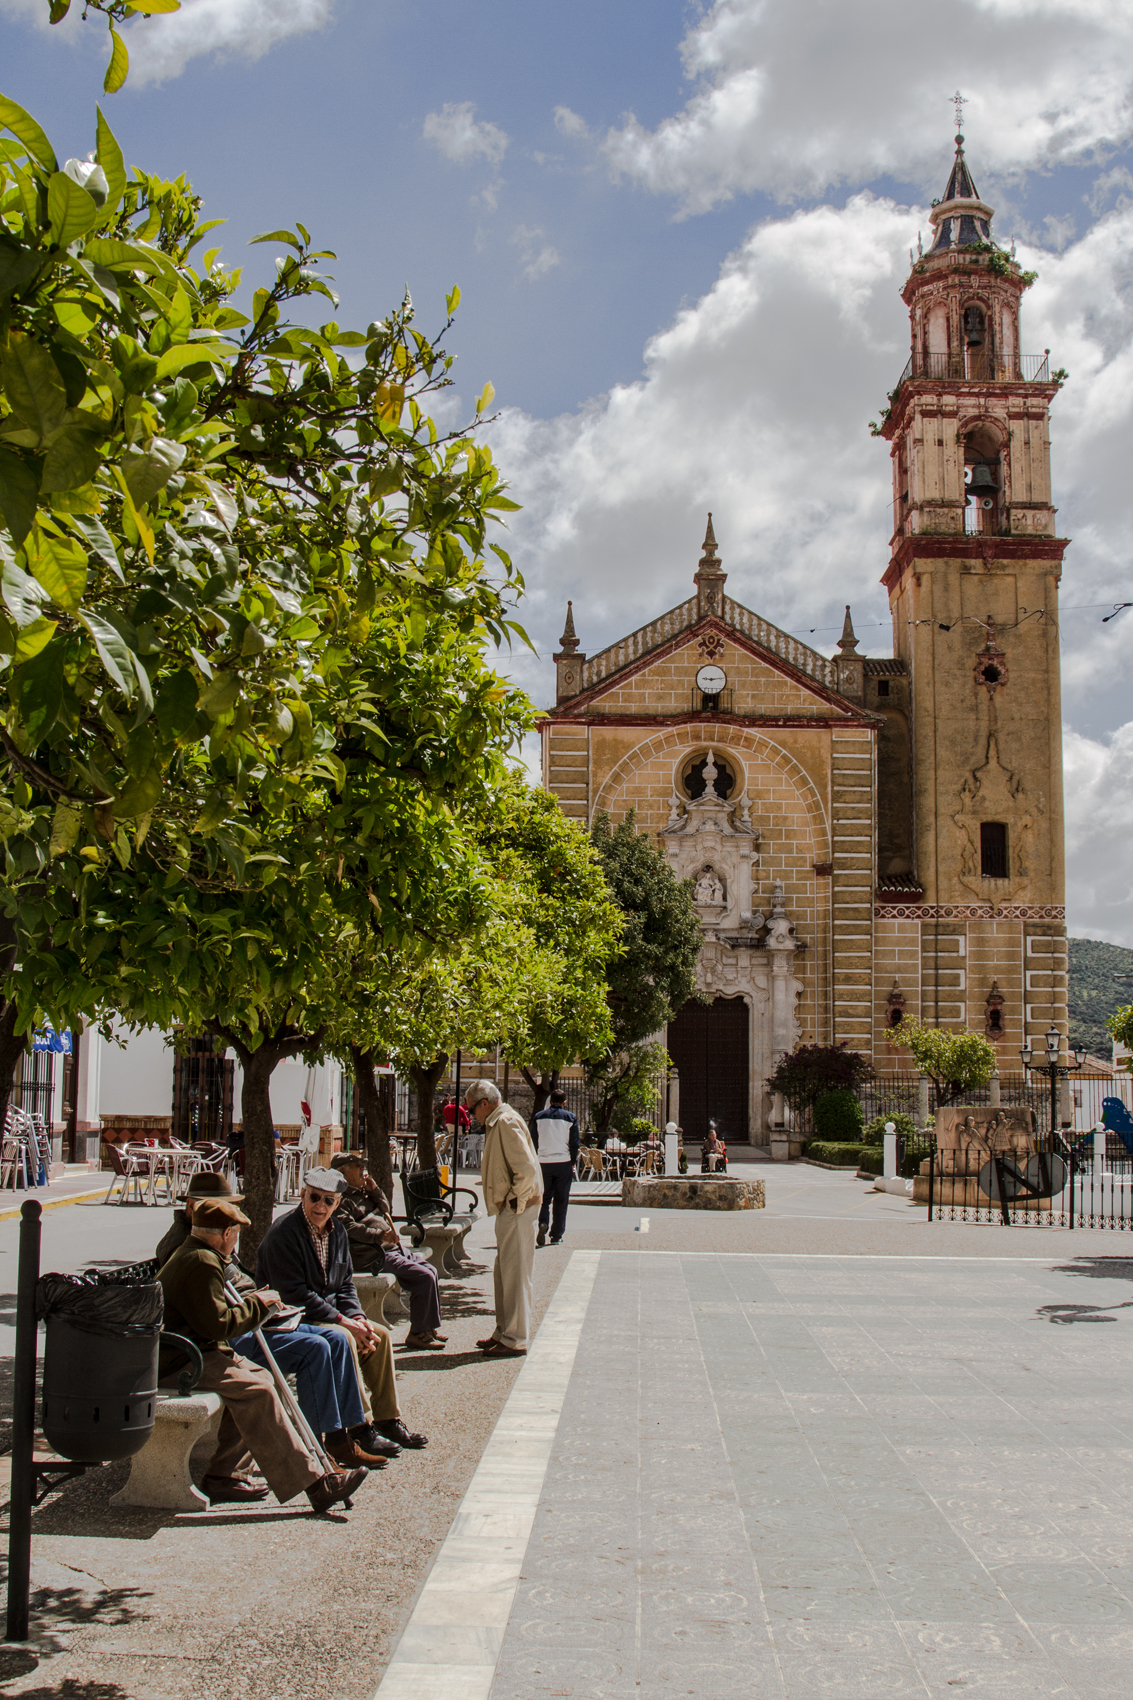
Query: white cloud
x: 460, y: 137
x: 793, y: 99
x: 160, y: 47
x: 568, y: 123
x: 538, y: 257
x: 1099, y: 836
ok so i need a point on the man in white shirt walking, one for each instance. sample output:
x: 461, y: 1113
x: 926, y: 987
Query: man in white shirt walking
x: 557, y: 1140
x: 509, y: 1173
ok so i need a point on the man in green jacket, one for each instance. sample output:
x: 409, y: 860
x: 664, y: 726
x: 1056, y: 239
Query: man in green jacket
x: 198, y: 1306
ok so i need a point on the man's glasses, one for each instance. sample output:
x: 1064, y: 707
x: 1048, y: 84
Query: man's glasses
x: 321, y: 1197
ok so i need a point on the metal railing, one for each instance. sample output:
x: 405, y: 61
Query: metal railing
x: 977, y: 367
x: 1061, y: 1180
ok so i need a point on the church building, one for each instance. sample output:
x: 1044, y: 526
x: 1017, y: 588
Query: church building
x: 869, y: 838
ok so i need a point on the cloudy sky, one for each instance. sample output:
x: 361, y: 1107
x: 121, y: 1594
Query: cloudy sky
x: 680, y: 231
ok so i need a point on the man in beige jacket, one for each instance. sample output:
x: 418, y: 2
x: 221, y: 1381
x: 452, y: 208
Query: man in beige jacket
x: 513, y: 1192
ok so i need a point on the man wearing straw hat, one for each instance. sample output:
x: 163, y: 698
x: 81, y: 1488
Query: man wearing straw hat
x: 198, y: 1306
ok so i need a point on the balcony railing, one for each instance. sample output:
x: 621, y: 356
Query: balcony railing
x: 977, y: 366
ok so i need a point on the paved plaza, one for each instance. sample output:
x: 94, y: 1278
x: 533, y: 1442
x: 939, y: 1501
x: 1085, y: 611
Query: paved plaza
x: 819, y: 1451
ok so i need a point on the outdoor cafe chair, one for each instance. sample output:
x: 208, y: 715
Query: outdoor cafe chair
x: 125, y: 1168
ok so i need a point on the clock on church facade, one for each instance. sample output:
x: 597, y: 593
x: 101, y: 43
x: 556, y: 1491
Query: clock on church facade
x: 867, y: 838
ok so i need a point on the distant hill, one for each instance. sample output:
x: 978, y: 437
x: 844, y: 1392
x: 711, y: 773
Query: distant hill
x: 1094, y: 992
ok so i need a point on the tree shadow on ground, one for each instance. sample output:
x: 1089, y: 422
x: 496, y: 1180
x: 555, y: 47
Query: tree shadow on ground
x: 439, y: 1360
x: 1098, y: 1268
x: 69, y: 1689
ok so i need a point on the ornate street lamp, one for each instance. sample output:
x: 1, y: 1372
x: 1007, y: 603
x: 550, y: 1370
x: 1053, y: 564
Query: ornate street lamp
x: 1051, y: 1067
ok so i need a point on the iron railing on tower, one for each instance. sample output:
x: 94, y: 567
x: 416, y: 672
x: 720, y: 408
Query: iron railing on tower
x: 977, y: 366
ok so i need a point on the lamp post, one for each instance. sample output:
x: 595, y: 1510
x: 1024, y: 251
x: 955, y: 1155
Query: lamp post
x: 1052, y: 1068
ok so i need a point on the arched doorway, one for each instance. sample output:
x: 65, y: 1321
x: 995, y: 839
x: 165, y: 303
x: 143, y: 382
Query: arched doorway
x: 709, y: 1045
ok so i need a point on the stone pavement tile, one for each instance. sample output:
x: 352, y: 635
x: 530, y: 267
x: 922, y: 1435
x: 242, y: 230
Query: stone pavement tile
x: 808, y: 1676
x: 833, y: 1639
x: 788, y: 1605
x: 1057, y: 1594
x: 1002, y: 1679
x: 527, y: 1674
x: 969, y: 1639
x: 976, y: 1602
x: 815, y: 1572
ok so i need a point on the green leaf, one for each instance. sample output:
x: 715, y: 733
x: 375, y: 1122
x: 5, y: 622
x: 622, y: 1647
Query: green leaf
x: 33, y: 638
x: 452, y: 300
x: 176, y: 704
x: 149, y: 470
x: 66, y: 824
x: 40, y: 687
x: 71, y: 210
x: 23, y: 125
x: 73, y: 454
x: 99, y: 542
x: 148, y: 6
x: 279, y: 236
x: 19, y: 488
x: 60, y: 567
x: 112, y: 651
x: 23, y: 595
x: 485, y: 398
x: 223, y: 501
x: 119, y: 63
x: 221, y: 694
x: 138, y: 796
x: 110, y: 157
x: 33, y: 384
x: 59, y: 10
x: 185, y: 354
x: 127, y: 256
x: 18, y: 265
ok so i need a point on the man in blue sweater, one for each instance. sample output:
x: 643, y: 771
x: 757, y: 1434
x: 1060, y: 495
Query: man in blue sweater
x: 557, y: 1140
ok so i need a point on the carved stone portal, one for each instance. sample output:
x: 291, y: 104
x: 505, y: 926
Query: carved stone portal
x: 745, y: 953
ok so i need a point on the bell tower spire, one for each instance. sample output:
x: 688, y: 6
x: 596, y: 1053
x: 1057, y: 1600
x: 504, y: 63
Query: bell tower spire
x: 709, y: 577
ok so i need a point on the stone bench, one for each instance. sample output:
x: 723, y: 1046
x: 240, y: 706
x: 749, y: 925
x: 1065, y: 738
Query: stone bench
x: 159, y: 1476
x: 381, y: 1298
x: 443, y: 1245
x: 693, y: 1192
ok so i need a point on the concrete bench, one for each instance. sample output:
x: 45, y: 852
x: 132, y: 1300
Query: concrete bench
x: 159, y: 1474
x: 443, y: 1245
x: 381, y: 1298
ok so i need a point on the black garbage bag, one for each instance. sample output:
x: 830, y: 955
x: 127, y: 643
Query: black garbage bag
x: 98, y: 1307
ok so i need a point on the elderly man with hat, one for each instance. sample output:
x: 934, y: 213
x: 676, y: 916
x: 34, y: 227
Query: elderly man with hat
x: 305, y: 1256
x: 375, y: 1245
x: 200, y: 1305
x: 513, y: 1192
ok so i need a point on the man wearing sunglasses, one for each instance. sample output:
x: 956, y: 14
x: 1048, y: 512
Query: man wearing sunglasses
x: 513, y: 1192
x: 305, y: 1256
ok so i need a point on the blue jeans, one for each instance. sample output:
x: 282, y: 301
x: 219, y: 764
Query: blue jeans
x: 323, y: 1367
x: 556, y: 1194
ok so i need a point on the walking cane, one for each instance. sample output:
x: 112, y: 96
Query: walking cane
x: 288, y: 1400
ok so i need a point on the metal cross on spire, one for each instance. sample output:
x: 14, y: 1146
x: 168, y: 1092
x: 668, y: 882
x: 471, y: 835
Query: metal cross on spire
x: 959, y: 103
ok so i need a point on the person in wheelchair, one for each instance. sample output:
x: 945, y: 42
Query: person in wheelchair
x: 714, y: 1157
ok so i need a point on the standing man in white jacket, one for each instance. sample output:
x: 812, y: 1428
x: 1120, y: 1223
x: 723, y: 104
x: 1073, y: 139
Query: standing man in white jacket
x: 557, y: 1141
x: 513, y: 1192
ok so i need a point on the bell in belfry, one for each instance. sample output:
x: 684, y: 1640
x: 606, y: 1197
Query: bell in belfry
x: 982, y: 481
x: 973, y: 327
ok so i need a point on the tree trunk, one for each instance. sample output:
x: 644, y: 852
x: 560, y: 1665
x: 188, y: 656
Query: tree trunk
x: 425, y: 1078
x: 542, y: 1088
x: 374, y: 1102
x: 259, y: 1144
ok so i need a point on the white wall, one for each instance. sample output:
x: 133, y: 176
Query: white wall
x: 136, y: 1080
x: 289, y: 1088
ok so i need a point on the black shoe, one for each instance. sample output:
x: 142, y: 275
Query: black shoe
x: 338, y: 1486
x: 371, y: 1440
x: 559, y: 1241
x: 394, y: 1429
x: 541, y: 1236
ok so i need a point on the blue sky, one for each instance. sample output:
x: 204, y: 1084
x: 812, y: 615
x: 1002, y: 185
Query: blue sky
x: 680, y: 231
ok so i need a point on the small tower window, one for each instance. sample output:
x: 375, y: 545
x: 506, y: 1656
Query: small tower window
x: 993, y: 850
x: 694, y: 779
x: 883, y: 687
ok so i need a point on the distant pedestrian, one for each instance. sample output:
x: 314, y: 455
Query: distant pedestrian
x: 509, y: 1173
x: 557, y: 1140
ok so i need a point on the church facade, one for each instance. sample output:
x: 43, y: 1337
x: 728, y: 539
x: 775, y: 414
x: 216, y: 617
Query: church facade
x: 869, y: 838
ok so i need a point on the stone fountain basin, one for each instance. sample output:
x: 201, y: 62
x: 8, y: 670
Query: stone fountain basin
x: 693, y: 1192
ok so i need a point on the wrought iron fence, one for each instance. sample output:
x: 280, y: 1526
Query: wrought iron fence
x: 977, y: 365
x: 33, y: 1088
x: 1062, y: 1180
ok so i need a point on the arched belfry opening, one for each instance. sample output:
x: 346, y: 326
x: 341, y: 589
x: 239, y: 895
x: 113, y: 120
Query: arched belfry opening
x: 983, y: 481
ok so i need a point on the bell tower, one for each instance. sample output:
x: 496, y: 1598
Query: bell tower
x: 973, y: 591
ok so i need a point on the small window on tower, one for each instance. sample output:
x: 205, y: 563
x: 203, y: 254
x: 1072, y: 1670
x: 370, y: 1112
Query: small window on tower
x: 993, y: 850
x: 883, y: 687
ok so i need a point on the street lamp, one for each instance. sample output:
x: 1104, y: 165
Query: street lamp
x: 1052, y: 1068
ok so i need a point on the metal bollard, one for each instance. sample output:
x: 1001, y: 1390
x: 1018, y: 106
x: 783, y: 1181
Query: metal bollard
x: 23, y: 1425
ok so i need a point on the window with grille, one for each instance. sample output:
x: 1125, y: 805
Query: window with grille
x: 993, y: 850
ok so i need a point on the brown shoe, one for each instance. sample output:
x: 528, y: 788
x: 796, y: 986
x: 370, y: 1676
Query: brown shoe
x: 352, y: 1456
x: 425, y: 1342
x: 232, y: 1490
x: 339, y: 1485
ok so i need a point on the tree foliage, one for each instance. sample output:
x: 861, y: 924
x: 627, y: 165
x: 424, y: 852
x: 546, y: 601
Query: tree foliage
x: 804, y: 1074
x: 655, y: 974
x: 954, y: 1062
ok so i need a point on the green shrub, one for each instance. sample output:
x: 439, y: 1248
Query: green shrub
x: 842, y: 1156
x: 872, y: 1160
x: 874, y: 1130
x: 838, y: 1117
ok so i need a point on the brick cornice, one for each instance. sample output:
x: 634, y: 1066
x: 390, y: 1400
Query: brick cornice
x: 781, y: 722
x: 927, y: 547
x: 710, y: 623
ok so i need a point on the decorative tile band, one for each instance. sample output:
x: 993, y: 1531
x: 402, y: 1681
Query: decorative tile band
x: 969, y: 912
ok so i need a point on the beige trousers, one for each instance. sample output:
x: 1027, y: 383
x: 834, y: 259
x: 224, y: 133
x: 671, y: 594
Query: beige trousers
x: 515, y: 1260
x: 376, y: 1381
x: 255, y: 1421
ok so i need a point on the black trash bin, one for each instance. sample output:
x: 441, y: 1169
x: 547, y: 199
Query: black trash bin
x: 99, y: 1365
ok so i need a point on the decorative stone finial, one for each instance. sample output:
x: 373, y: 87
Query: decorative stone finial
x: 710, y: 773
x: 848, y: 642
x: 709, y: 577
x: 568, y: 643
x: 709, y: 545
x: 778, y: 900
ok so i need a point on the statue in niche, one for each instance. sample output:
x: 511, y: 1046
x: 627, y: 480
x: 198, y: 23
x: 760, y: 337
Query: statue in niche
x: 708, y: 888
